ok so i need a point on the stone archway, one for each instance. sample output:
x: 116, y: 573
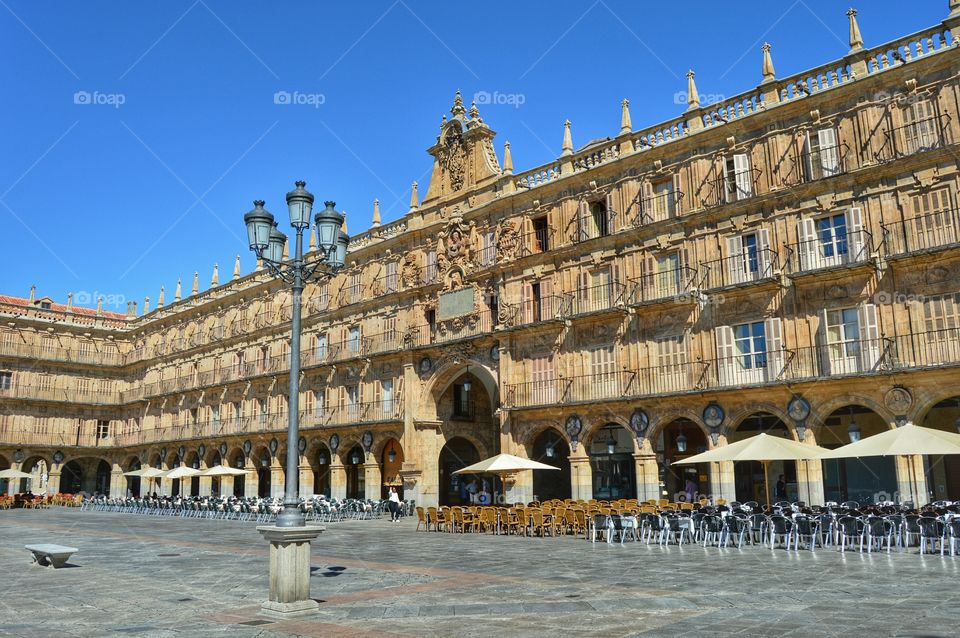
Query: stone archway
x: 133, y: 482
x: 551, y: 447
x: 942, y: 472
x: 457, y: 489
x: 320, y: 459
x: 85, y: 474
x: 356, y: 476
x: 612, y: 465
x: 750, y: 483
x: 391, y: 460
x: 866, y: 479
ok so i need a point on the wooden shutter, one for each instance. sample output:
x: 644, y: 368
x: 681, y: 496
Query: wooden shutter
x: 726, y: 365
x: 612, y: 210
x: 735, y: 265
x: 856, y: 237
x: 398, y: 397
x: 764, y: 256
x: 526, y: 305
x: 806, y: 244
x: 829, y: 153
x: 824, y: 336
x: 583, y: 220
x: 617, y: 289
x: 869, y: 336
x: 548, y: 305
x: 773, y: 333
x: 743, y: 176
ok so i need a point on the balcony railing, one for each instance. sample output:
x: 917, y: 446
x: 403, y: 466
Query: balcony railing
x: 59, y: 393
x: 857, y: 357
x: 594, y: 226
x: 599, y: 298
x: 728, y: 189
x: 471, y: 325
x: 743, y: 268
x: 916, y: 137
x: 810, y: 165
x: 537, y: 310
x: 931, y: 231
x: 658, y: 208
x: 239, y: 327
x: 385, y: 284
x: 539, y: 241
x: 487, y: 256
x: 848, y: 249
x: 91, y: 357
x: 676, y: 283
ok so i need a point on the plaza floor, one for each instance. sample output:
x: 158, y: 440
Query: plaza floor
x: 159, y: 576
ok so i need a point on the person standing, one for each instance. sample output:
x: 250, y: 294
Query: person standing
x: 394, y: 504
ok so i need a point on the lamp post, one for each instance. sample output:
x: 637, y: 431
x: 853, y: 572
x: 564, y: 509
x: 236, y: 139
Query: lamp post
x: 268, y: 242
x: 290, y: 536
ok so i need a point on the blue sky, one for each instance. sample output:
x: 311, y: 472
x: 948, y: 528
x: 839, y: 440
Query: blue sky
x: 176, y: 131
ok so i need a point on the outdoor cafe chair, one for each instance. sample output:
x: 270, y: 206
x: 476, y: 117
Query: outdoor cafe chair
x: 953, y: 533
x: 735, y: 526
x: 806, y: 528
x: 932, y: 532
x: 911, y: 528
x: 875, y: 530
x: 676, y: 528
x: 850, y: 530
x: 782, y: 528
x: 711, y: 529
x: 598, y: 525
x: 758, y: 528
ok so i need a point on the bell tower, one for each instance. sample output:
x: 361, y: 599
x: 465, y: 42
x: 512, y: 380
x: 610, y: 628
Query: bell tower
x: 463, y: 157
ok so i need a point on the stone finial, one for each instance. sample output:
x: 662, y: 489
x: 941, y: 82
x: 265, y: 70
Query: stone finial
x: 457, y: 105
x: 769, y: 74
x: 69, y: 302
x: 856, y: 40
x: 160, y: 299
x: 195, y: 288
x: 33, y: 293
x: 414, y: 198
x: 376, y: 213
x: 474, y: 111
x: 313, y: 239
x: 625, y: 124
x: 178, y: 292
x: 99, y: 306
x: 507, y: 159
x: 567, y: 148
x: 146, y: 305
x: 131, y: 310
x: 215, y: 279
x: 693, y: 96
x: 236, y: 268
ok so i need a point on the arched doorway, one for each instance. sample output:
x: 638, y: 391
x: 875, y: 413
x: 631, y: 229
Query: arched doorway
x: 866, y: 479
x: 943, y: 472
x: 216, y: 482
x: 4, y: 483
x: 192, y: 485
x: 612, y: 463
x: 261, y: 460
x: 391, y: 460
x: 85, y: 475
x: 176, y: 485
x: 38, y: 468
x: 133, y: 482
x: 678, y: 440
x: 748, y: 476
x: 459, y: 489
x: 356, y: 476
x: 237, y: 461
x: 551, y: 448
x: 321, y: 471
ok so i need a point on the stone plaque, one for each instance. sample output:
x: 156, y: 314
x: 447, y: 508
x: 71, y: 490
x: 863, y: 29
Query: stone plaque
x: 455, y: 304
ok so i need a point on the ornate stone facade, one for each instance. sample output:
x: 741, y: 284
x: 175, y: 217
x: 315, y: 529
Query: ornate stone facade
x: 639, y: 299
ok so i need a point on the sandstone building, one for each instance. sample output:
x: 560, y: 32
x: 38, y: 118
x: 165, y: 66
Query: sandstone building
x: 785, y: 260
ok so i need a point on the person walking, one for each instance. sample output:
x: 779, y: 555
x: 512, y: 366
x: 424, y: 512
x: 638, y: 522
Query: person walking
x: 394, y: 504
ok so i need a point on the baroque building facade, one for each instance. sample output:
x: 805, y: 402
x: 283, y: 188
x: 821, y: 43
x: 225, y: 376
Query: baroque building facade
x: 786, y: 260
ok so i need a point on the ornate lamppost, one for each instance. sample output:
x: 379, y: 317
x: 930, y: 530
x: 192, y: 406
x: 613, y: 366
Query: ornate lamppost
x: 290, y: 536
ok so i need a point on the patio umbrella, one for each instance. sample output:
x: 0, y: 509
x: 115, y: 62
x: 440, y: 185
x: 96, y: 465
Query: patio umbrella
x: 907, y: 440
x: 181, y: 472
x: 504, y: 465
x: 764, y: 448
x: 14, y: 474
x: 221, y: 470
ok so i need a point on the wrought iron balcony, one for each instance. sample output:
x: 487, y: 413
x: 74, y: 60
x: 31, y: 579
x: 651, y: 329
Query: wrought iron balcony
x: 932, y: 231
x: 729, y: 189
x: 810, y: 165
x: 472, y: 325
x: 916, y: 137
x: 657, y: 208
x: 676, y: 284
x: 595, y: 299
x: 852, y: 248
x: 750, y: 266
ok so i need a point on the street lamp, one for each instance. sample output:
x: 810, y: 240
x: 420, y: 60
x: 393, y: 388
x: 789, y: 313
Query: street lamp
x: 267, y: 242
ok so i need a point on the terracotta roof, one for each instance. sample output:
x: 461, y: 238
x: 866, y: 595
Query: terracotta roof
x: 77, y: 310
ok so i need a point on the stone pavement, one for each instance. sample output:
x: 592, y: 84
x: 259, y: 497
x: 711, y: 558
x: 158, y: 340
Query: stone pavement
x: 160, y: 576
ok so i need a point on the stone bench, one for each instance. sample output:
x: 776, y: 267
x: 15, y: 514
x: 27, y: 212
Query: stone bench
x: 50, y: 554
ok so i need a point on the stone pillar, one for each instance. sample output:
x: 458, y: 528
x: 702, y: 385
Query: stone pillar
x: 289, y: 570
x: 722, y: 484
x: 911, y: 469
x: 251, y: 480
x: 53, y: 480
x: 371, y: 478
x: 581, y: 476
x: 338, y: 478
x: 521, y: 488
x: 305, y: 485
x: 648, y: 476
x: 206, y: 482
x: 810, y: 482
x: 430, y: 443
x: 118, y: 483
x: 277, y: 480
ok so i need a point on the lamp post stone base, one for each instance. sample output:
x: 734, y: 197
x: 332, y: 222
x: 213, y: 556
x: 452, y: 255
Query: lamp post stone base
x: 289, y: 570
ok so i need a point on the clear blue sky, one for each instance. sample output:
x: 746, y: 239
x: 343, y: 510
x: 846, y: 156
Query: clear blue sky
x: 121, y: 198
